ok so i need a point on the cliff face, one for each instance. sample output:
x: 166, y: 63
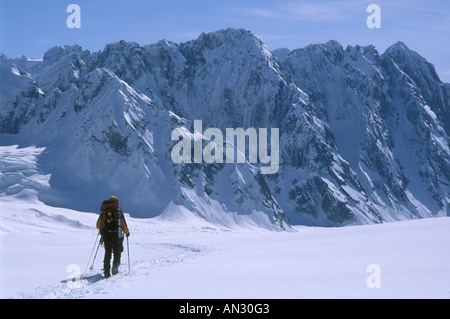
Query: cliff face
x: 363, y: 137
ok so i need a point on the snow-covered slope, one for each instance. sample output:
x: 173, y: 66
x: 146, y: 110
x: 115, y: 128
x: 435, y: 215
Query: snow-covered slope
x: 46, y: 250
x: 363, y: 136
x: 387, y: 131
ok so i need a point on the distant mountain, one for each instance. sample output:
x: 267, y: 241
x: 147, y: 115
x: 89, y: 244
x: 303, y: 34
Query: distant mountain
x: 281, y: 53
x: 363, y: 137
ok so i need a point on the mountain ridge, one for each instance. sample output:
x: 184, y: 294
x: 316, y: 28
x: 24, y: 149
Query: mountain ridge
x: 363, y: 136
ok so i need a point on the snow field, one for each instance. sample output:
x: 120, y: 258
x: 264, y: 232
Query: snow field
x: 40, y: 246
x: 44, y: 251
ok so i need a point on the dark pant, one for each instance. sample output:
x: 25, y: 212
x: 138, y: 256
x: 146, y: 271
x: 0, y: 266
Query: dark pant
x: 113, y: 245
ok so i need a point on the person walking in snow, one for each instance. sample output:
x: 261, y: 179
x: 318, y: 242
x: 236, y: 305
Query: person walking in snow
x: 112, y: 226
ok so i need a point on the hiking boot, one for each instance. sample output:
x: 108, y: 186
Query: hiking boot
x: 107, y: 274
x: 115, y: 269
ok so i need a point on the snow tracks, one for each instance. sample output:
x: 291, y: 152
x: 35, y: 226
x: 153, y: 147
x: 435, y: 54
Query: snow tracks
x: 94, y: 285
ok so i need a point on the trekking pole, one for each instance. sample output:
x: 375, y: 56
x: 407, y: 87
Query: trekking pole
x: 95, y: 256
x: 128, y: 251
x: 82, y: 277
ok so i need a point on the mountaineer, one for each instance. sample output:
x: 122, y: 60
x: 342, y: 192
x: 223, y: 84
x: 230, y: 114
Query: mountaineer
x: 112, y: 226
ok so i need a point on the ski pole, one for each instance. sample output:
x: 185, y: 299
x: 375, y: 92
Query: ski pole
x: 128, y: 251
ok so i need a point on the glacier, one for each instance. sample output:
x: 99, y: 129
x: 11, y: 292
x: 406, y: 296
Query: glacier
x: 177, y: 254
x: 363, y: 135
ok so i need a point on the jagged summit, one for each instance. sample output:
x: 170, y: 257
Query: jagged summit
x: 225, y: 36
x: 363, y: 136
x: 399, y: 45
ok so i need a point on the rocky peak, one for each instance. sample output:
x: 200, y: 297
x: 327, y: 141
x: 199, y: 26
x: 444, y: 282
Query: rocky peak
x: 362, y: 136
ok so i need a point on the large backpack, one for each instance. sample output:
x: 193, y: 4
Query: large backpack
x: 111, y: 216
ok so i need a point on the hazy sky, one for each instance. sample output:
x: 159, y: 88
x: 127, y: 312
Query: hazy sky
x: 31, y: 27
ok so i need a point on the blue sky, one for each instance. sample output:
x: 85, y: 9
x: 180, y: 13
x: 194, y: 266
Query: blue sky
x: 31, y: 27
